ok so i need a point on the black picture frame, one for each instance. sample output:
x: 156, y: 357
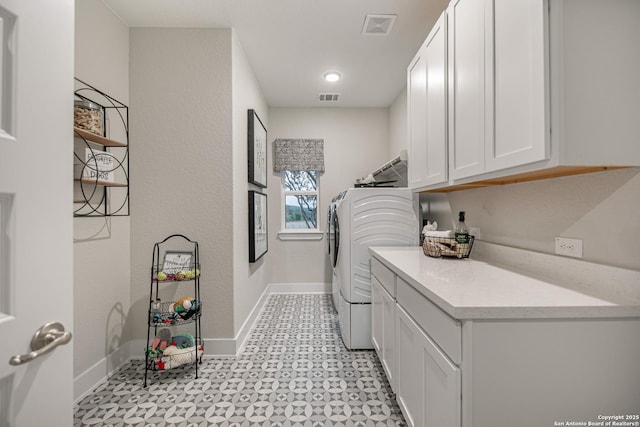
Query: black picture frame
x: 258, y: 225
x: 257, y: 155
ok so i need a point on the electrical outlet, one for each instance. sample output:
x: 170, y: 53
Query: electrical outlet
x: 569, y: 247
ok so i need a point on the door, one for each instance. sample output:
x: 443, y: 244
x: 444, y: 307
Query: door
x: 36, y: 196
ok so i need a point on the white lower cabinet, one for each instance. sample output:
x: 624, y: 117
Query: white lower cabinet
x: 383, y: 321
x: 428, y: 383
x: 389, y: 338
x: 499, y: 372
x: 425, y: 379
x: 376, y: 315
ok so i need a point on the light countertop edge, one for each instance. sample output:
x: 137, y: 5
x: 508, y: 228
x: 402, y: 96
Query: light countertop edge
x: 517, y: 295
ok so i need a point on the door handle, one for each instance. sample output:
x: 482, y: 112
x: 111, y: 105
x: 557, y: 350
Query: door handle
x: 48, y: 337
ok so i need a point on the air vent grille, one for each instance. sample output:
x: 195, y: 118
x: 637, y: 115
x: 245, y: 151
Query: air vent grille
x: 378, y: 25
x: 328, y: 97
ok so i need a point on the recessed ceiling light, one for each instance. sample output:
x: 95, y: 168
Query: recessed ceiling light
x: 332, y: 76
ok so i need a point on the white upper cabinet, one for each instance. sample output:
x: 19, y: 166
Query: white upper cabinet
x: 497, y: 85
x: 417, y: 114
x: 534, y: 89
x: 466, y: 76
x: 517, y: 83
x: 427, y: 109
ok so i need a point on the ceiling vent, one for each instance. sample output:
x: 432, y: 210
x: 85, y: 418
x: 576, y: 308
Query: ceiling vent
x: 328, y: 97
x: 378, y: 25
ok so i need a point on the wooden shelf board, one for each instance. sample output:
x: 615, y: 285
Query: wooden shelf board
x: 98, y: 139
x: 100, y: 183
x: 556, y: 172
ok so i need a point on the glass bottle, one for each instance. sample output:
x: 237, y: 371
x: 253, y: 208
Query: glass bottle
x: 462, y: 231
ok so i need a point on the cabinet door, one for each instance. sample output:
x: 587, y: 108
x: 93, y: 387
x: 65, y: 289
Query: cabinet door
x: 383, y: 329
x: 428, y: 389
x: 441, y: 397
x: 376, y: 315
x: 466, y: 71
x: 518, y: 88
x: 417, y: 113
x: 389, y: 337
x: 428, y: 109
x: 408, y: 379
x: 436, y: 55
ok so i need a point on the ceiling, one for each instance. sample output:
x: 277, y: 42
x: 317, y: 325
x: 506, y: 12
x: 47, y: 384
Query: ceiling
x: 291, y: 43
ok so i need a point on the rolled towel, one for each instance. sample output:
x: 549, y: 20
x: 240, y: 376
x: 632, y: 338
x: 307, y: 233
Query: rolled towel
x: 442, y: 234
x: 429, y: 226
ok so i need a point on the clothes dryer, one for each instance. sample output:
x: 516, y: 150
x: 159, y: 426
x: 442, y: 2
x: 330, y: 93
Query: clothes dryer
x: 367, y: 217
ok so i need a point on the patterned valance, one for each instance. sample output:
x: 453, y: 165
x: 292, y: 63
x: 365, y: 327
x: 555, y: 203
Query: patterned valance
x: 298, y: 155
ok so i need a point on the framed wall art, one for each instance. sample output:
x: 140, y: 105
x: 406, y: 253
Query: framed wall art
x: 258, y: 235
x: 257, y: 150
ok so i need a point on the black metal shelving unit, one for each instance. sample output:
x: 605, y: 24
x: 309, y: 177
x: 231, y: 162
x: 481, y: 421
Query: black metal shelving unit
x: 176, y: 261
x: 95, y: 196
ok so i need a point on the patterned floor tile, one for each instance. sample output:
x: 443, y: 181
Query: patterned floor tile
x: 293, y: 372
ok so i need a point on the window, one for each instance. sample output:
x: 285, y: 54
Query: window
x: 299, y: 200
x: 300, y: 163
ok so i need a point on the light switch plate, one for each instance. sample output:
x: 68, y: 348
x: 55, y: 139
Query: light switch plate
x: 569, y: 247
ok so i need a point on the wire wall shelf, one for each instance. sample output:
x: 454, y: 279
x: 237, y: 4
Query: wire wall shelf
x: 101, y: 153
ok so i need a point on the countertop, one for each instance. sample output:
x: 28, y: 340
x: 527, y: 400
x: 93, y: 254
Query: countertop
x: 478, y: 289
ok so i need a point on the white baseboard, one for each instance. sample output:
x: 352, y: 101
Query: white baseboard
x: 250, y: 321
x: 101, y: 370
x: 300, y: 288
x: 214, y: 347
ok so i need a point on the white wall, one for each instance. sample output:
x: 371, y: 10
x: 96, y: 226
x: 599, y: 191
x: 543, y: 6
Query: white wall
x: 599, y: 208
x: 249, y: 280
x: 398, y: 126
x: 101, y: 246
x: 182, y: 163
x: 355, y: 143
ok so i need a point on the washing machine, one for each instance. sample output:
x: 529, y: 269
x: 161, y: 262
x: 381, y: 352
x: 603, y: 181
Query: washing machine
x: 331, y: 251
x: 367, y: 217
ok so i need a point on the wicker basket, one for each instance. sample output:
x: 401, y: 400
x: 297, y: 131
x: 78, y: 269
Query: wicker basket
x: 173, y: 357
x: 165, y: 314
x: 437, y: 247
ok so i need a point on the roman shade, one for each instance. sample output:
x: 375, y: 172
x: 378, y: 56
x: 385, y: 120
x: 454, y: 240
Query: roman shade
x: 298, y: 155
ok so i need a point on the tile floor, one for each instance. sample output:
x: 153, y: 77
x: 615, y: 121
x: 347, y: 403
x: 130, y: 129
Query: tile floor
x: 294, y: 371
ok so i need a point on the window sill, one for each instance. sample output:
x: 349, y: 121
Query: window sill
x: 300, y: 235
